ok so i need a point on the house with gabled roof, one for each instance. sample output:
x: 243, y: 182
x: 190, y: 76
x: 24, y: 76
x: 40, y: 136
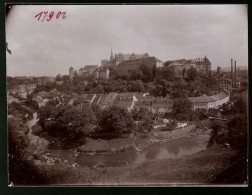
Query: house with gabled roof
x: 126, y: 101
x: 161, y: 106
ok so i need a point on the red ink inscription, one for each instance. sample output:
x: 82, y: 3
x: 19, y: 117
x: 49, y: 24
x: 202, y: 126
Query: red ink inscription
x: 50, y: 16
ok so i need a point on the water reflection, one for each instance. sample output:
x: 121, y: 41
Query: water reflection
x: 170, y: 150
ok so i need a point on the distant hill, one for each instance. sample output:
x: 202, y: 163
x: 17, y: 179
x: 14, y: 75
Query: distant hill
x: 242, y: 68
x: 228, y: 69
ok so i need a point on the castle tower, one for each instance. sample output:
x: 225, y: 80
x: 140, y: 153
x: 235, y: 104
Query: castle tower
x: 218, y: 70
x: 71, y: 73
x: 232, y: 80
x: 207, y: 64
x: 111, y: 55
x: 234, y: 73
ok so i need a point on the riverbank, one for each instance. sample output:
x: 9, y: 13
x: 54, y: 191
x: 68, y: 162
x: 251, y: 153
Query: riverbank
x: 127, y: 150
x: 198, y: 168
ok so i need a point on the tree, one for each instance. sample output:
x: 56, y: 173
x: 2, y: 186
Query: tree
x: 145, y: 124
x: 218, y: 134
x: 136, y: 86
x: 76, y: 121
x: 135, y: 75
x: 97, y: 111
x: 238, y: 132
x: 167, y: 73
x: 32, y: 104
x: 182, y: 109
x: 58, y: 78
x: 244, y: 85
x: 157, y: 91
x: 172, y: 124
x: 192, y: 74
x: 98, y: 89
x: 236, y: 105
x: 179, y: 93
x: 46, y: 112
x: 147, y: 73
x: 65, y: 78
x: 142, y: 116
x: 240, y: 106
x: 138, y: 114
x: 116, y: 120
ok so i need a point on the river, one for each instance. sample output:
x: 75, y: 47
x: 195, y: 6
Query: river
x: 167, y: 150
x: 172, y: 149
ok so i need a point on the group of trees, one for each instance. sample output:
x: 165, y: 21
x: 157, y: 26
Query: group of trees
x: 19, y: 111
x: 143, y: 118
x: 67, y: 121
x: 182, y: 109
x: 74, y: 122
x: 14, y: 81
x: 144, y: 73
x: 235, y: 130
x: 158, y: 82
x: 116, y: 120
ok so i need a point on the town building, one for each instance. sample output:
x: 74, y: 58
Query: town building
x: 207, y: 102
x: 120, y: 57
x: 202, y: 65
x: 104, y: 62
x: 161, y: 106
x: 103, y: 73
x: 126, y: 101
x: 41, y: 81
x: 87, y: 70
x: 224, y: 81
x: 91, y: 71
x: 85, y: 99
x: 107, y: 100
x: 126, y: 68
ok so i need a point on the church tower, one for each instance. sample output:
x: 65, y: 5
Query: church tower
x: 112, y: 56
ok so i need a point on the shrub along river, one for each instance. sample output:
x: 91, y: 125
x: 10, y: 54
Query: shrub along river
x: 161, y: 150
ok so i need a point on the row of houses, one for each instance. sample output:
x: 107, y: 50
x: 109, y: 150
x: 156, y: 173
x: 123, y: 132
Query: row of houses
x: 155, y: 105
x: 128, y: 101
x: 207, y: 102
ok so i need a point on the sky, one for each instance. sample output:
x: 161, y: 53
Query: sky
x: 89, y: 32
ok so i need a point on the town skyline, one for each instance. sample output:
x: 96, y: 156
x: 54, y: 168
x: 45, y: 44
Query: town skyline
x: 88, y: 33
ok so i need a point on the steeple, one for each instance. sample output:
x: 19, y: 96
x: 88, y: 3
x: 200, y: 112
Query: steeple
x: 111, y: 55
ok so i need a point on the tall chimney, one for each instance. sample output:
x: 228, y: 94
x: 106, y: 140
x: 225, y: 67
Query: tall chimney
x: 235, y: 74
x: 232, y: 72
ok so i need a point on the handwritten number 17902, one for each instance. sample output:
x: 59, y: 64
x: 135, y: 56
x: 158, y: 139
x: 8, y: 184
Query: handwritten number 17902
x: 45, y: 16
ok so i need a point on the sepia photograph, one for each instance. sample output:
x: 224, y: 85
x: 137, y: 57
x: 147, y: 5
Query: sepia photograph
x: 127, y: 95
